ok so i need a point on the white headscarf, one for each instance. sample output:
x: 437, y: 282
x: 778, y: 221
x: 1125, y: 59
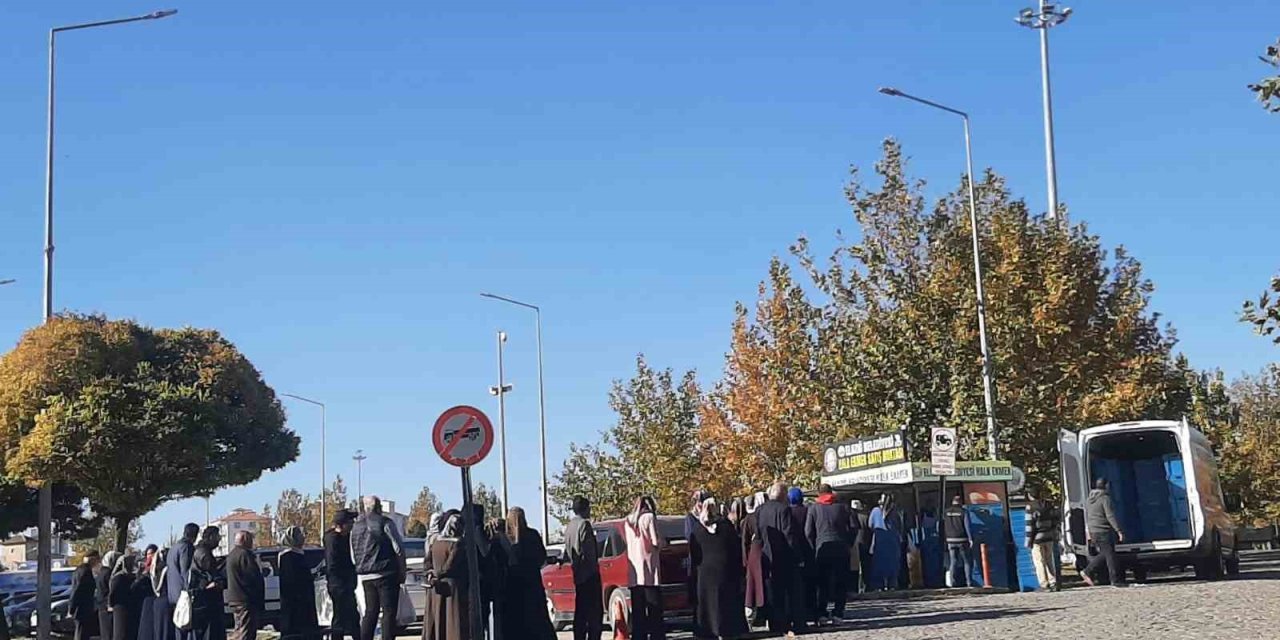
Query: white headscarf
x: 708, y: 514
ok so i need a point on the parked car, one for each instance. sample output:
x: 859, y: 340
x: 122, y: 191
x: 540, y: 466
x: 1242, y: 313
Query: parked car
x: 673, y: 569
x: 19, y: 611
x: 415, y: 557
x: 268, y: 559
x: 1166, y: 494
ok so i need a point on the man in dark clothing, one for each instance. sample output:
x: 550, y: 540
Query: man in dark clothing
x: 863, y: 542
x: 955, y: 530
x: 828, y: 528
x: 1044, y: 524
x: 808, y: 574
x: 208, y: 582
x: 178, y: 567
x: 1104, y: 533
x: 246, y: 591
x: 340, y: 577
x: 83, y: 606
x: 583, y: 557
x: 378, y: 555
x: 784, y: 552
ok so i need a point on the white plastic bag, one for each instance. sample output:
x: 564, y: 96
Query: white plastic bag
x: 405, y: 613
x: 182, y: 611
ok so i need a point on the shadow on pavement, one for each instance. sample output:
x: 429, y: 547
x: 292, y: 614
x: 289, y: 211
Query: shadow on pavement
x: 891, y: 618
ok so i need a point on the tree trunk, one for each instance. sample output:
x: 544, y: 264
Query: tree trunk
x: 122, y: 532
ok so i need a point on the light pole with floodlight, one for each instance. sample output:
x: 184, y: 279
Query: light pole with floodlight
x: 988, y: 384
x: 1046, y: 18
x: 44, y: 517
x: 501, y: 390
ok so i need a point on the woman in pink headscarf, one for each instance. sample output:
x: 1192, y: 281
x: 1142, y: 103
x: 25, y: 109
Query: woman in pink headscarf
x: 643, y: 549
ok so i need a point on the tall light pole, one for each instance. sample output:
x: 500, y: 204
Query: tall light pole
x: 542, y: 406
x: 44, y: 556
x: 324, y: 477
x: 988, y: 384
x: 501, y: 390
x: 1046, y: 18
x: 360, y: 457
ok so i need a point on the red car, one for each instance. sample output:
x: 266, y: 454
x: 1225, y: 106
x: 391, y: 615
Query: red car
x: 615, y: 573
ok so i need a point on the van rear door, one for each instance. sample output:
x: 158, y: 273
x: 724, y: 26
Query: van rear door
x: 1075, y: 485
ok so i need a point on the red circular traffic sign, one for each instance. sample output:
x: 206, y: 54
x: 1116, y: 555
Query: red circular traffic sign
x: 462, y: 436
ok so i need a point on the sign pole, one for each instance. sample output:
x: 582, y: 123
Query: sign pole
x: 473, y: 556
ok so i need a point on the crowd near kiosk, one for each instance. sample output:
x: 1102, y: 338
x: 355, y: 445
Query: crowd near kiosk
x: 872, y: 468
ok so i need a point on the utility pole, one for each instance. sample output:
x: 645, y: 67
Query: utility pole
x: 501, y: 391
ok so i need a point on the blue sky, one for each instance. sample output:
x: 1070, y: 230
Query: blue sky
x: 331, y: 185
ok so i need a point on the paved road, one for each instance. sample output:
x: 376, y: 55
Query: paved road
x: 1170, y: 607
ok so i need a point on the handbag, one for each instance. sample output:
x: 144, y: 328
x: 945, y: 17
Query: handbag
x: 405, y: 613
x: 182, y: 612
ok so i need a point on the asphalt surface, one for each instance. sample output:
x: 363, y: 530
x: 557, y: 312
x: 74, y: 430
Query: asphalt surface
x: 1167, y: 607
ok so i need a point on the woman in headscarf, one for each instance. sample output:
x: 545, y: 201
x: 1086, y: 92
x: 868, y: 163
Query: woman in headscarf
x: 737, y: 513
x: 643, y: 548
x: 886, y: 547
x: 209, y: 580
x: 161, y: 611
x: 120, y: 597
x: 446, y: 615
x: 102, y: 592
x: 717, y: 561
x: 753, y: 560
x: 525, y: 612
x: 297, y: 589
x: 145, y: 596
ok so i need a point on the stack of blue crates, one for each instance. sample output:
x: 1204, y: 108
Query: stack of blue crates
x: 1149, y: 496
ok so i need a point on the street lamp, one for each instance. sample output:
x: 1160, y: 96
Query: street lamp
x: 324, y: 477
x: 44, y: 521
x: 360, y: 457
x: 501, y: 390
x: 987, y: 383
x: 1046, y: 18
x: 542, y: 406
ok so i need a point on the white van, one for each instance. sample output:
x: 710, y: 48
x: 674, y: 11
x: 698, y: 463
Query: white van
x: 1166, y: 493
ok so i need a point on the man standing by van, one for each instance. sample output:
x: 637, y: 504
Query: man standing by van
x: 1104, y: 533
x: 1043, y: 526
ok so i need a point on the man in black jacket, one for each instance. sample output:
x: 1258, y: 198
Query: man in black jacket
x: 340, y: 577
x: 1043, y: 526
x: 955, y: 528
x: 177, y: 569
x: 246, y: 592
x: 784, y: 550
x: 378, y: 556
x: 1104, y: 533
x: 83, y: 606
x: 828, y: 528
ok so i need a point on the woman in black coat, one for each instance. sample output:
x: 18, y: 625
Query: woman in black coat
x: 209, y: 580
x: 84, y: 604
x: 103, y: 580
x: 525, y: 609
x: 297, y: 590
x: 120, y: 599
x: 144, y: 597
x: 717, y: 563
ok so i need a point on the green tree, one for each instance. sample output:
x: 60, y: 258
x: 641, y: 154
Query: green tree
x: 18, y: 502
x: 294, y: 509
x: 652, y: 449
x: 488, y: 498
x: 106, y: 539
x: 1268, y: 89
x: 889, y: 338
x: 1264, y: 314
x: 425, y: 507
x: 1251, y: 450
x: 134, y: 416
x: 416, y: 529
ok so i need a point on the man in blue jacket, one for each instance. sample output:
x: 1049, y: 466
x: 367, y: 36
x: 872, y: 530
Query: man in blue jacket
x: 178, y: 567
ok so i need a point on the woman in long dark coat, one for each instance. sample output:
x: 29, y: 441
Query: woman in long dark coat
x: 120, y: 599
x: 144, y: 598
x: 161, y: 611
x: 525, y: 611
x: 446, y: 614
x: 102, y: 592
x: 753, y: 559
x: 717, y: 561
x: 297, y: 590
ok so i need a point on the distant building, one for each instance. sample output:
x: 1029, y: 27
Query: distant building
x: 20, y: 550
x: 400, y: 519
x: 243, y: 520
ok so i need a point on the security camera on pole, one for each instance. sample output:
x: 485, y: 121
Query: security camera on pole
x: 463, y: 437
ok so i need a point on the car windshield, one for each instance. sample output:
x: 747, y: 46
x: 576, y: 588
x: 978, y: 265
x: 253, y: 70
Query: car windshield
x: 671, y: 529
